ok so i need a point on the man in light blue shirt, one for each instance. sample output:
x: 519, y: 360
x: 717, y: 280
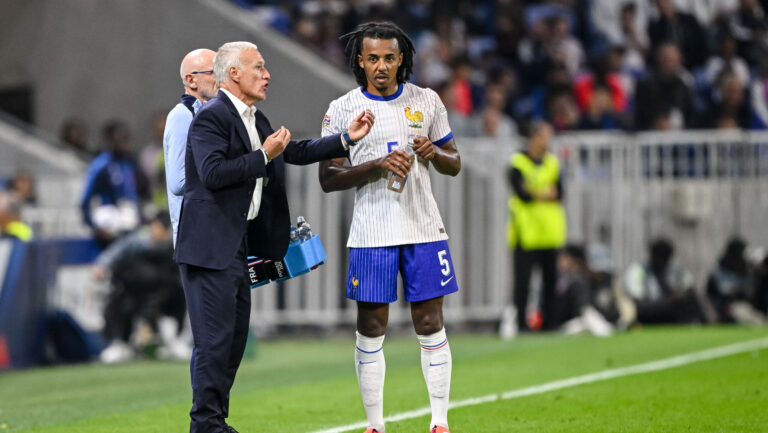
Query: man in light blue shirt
x: 199, y: 87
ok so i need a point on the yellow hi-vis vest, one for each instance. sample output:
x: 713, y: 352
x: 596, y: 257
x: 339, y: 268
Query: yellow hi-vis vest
x: 20, y: 230
x: 536, y: 225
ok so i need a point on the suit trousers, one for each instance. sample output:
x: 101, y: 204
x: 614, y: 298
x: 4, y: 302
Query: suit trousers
x: 219, y: 305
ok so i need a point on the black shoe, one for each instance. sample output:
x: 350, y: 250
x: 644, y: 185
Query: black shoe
x: 230, y: 429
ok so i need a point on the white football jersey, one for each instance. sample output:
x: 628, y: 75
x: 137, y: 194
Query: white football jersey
x: 383, y: 217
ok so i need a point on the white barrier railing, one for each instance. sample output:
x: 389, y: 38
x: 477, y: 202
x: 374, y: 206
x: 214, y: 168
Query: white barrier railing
x: 696, y: 188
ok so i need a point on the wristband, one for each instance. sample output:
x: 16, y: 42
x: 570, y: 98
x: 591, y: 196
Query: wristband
x: 345, y: 138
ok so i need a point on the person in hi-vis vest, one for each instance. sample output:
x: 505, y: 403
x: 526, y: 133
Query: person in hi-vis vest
x: 536, y: 227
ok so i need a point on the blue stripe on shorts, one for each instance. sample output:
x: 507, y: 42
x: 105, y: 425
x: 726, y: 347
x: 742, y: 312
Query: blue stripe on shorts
x: 427, y: 271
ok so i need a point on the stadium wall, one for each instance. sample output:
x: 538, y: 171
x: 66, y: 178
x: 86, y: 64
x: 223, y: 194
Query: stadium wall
x: 100, y: 60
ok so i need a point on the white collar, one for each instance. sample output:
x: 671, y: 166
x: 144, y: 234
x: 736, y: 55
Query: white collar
x: 240, y: 106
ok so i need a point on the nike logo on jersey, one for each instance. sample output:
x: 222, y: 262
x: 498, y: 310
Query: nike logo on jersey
x: 444, y: 282
x: 435, y: 365
x: 369, y: 362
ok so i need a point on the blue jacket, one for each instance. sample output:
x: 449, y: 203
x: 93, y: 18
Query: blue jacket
x: 112, y: 180
x: 221, y: 172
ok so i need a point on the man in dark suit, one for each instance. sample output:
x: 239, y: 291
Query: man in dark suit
x: 234, y: 206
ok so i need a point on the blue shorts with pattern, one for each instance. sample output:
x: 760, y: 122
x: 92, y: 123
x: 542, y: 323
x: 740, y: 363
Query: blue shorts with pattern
x: 427, y: 272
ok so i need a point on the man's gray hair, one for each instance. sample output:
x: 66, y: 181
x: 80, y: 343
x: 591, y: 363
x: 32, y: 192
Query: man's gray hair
x: 227, y: 56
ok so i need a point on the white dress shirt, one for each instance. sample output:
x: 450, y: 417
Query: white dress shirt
x: 248, y: 116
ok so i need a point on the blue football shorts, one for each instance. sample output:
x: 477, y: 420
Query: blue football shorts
x: 427, y: 271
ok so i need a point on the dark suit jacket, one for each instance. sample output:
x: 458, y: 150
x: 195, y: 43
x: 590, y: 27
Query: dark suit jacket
x: 221, y: 172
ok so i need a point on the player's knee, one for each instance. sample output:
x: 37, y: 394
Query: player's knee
x: 428, y: 323
x: 372, y: 319
x: 371, y: 325
x: 371, y: 329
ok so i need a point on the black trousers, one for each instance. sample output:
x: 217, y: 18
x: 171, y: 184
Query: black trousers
x: 524, y: 262
x: 219, y: 305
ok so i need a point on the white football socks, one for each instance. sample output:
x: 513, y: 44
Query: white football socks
x: 436, y: 366
x: 370, y: 367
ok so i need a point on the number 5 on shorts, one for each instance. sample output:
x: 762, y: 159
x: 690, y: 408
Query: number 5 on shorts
x: 444, y: 262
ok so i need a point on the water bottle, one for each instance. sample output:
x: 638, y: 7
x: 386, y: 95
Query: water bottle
x: 397, y: 183
x: 303, y: 229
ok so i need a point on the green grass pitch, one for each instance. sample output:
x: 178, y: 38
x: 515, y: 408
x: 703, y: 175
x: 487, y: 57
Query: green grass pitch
x: 309, y: 385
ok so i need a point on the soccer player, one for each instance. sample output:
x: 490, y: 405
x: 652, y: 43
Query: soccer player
x: 395, y: 231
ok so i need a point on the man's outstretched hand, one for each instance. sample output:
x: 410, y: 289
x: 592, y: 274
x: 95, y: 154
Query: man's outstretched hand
x: 361, y: 125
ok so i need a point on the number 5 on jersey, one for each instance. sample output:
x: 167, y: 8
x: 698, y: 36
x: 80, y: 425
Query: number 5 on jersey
x: 444, y: 262
x: 446, y: 267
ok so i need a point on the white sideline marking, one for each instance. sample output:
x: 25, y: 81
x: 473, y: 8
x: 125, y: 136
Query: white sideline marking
x: 662, y: 364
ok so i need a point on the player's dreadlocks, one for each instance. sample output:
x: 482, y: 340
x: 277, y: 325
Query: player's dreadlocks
x: 381, y: 30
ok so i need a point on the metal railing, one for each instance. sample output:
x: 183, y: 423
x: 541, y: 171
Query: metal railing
x: 621, y: 190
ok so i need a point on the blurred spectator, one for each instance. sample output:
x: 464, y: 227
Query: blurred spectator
x: 537, y: 104
x: 434, y: 54
x: 114, y: 186
x: 145, y: 285
x: 757, y: 49
x: 607, y: 76
x: 12, y: 227
x: 509, y: 30
x: 460, y: 123
x: 506, y: 78
x: 626, y: 77
x: 532, y: 56
x: 730, y: 286
x: 759, y: 97
x: 463, y: 42
x: 709, y: 11
x: 633, y: 38
x: 666, y: 90
x: 563, y: 112
x: 573, y: 307
x: 615, y: 20
x: 662, y: 291
x: 491, y: 121
x: 536, y: 227
x: 463, y: 101
x: 680, y: 29
x: 748, y: 26
x: 601, y: 114
x: 662, y: 120
x: 563, y: 46
x: 726, y: 62
x: 151, y: 161
x: 606, y: 297
x: 75, y: 134
x: 729, y: 104
x: 20, y: 192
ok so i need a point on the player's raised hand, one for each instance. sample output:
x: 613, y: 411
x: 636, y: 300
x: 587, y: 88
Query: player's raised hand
x: 361, y: 125
x: 423, y: 147
x: 396, y: 161
x: 275, y: 144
